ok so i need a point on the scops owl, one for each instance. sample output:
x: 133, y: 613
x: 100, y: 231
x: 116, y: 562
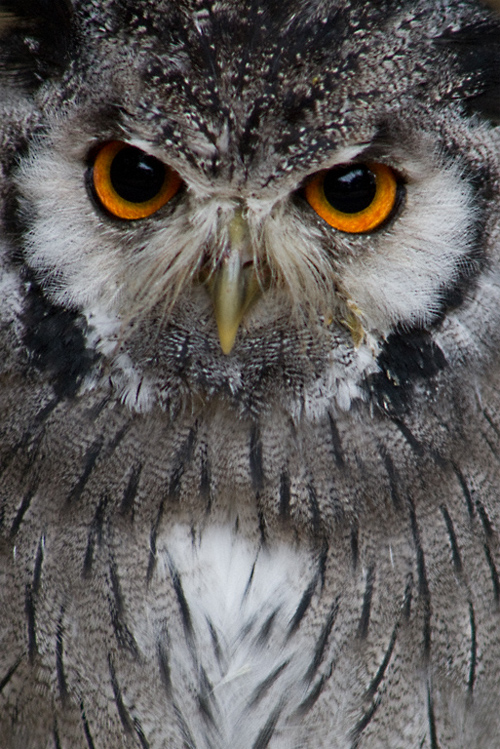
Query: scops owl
x: 250, y: 374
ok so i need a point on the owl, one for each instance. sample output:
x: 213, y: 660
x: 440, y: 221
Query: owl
x: 249, y: 374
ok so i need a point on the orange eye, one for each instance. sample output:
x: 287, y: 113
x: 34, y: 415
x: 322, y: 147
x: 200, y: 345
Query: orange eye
x: 354, y: 198
x: 131, y: 184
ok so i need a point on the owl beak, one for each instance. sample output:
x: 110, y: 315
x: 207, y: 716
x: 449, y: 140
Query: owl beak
x: 234, y: 285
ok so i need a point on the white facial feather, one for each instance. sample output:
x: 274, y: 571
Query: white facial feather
x: 400, y: 277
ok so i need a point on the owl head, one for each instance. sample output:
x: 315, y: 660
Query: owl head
x: 258, y: 202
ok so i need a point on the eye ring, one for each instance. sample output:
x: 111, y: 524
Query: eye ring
x: 381, y: 192
x: 149, y: 178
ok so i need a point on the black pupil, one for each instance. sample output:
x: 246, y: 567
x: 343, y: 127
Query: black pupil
x: 136, y: 176
x: 350, y: 189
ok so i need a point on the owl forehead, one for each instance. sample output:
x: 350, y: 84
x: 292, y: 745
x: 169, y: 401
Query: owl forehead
x: 218, y: 83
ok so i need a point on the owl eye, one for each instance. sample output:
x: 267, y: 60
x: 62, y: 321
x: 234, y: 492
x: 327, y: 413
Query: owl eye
x: 353, y: 198
x: 131, y: 184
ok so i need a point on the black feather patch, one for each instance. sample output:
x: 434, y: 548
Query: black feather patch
x: 477, y: 51
x: 406, y: 358
x: 36, y: 38
x: 55, y: 338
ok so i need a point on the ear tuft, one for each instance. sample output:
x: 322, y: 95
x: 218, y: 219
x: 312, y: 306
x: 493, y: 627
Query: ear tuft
x: 35, y: 40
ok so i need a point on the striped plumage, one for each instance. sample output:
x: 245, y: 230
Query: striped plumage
x: 293, y: 544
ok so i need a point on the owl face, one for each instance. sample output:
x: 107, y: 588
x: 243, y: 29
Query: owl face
x: 224, y: 214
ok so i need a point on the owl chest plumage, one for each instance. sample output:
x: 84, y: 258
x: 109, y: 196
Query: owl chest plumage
x: 239, y: 595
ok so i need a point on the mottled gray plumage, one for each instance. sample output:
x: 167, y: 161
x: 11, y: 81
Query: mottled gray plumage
x: 294, y: 544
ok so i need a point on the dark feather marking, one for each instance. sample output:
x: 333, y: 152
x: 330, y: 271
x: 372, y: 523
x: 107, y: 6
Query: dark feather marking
x: 338, y: 453
x: 164, y: 666
x: 61, y: 676
x: 322, y: 565
x: 10, y: 673
x: 23, y: 508
x: 86, y: 728
x: 249, y: 581
x: 423, y: 584
x: 432, y: 719
x: 494, y: 572
x: 485, y: 520
x: 189, y: 742
x: 204, y: 695
x: 465, y: 490
x: 125, y: 718
x: 475, y: 46
x: 30, y: 609
x: 181, y: 600
x: 124, y: 636
x: 130, y: 493
x: 140, y: 733
x: 30, y: 601
x: 263, y: 688
x: 284, y: 495
x: 393, y: 479
x: 206, y: 481
x: 302, y: 607
x: 266, y: 629
x: 313, y: 504
x: 40, y: 41
x: 152, y: 542
x: 406, y: 358
x: 37, y: 570
x: 262, y: 526
x: 473, y: 649
x: 410, y: 438
x: 206, y: 710
x: 89, y: 462
x: 311, y: 698
x: 255, y: 459
x: 56, y: 338
x: 117, y: 439
x: 94, y: 411
x: 215, y: 643
x: 95, y: 534
x: 55, y: 735
x: 129, y: 724
x: 406, y: 611
x: 493, y: 448
x: 182, y: 459
x: 247, y: 628
x: 364, y: 620
x: 266, y: 734
x: 322, y: 641
x: 363, y: 723
x: 38, y: 420
x: 377, y: 679
x: 355, y: 545
x: 455, y: 551
x: 491, y: 422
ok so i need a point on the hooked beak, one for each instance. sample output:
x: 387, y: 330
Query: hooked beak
x: 234, y: 284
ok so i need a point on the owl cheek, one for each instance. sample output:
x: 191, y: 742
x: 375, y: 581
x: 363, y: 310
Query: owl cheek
x: 410, y: 269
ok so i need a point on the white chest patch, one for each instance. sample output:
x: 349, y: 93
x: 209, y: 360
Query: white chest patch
x: 239, y: 606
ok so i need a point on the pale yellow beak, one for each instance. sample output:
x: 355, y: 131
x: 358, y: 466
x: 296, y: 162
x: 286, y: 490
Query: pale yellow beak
x: 234, y: 285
